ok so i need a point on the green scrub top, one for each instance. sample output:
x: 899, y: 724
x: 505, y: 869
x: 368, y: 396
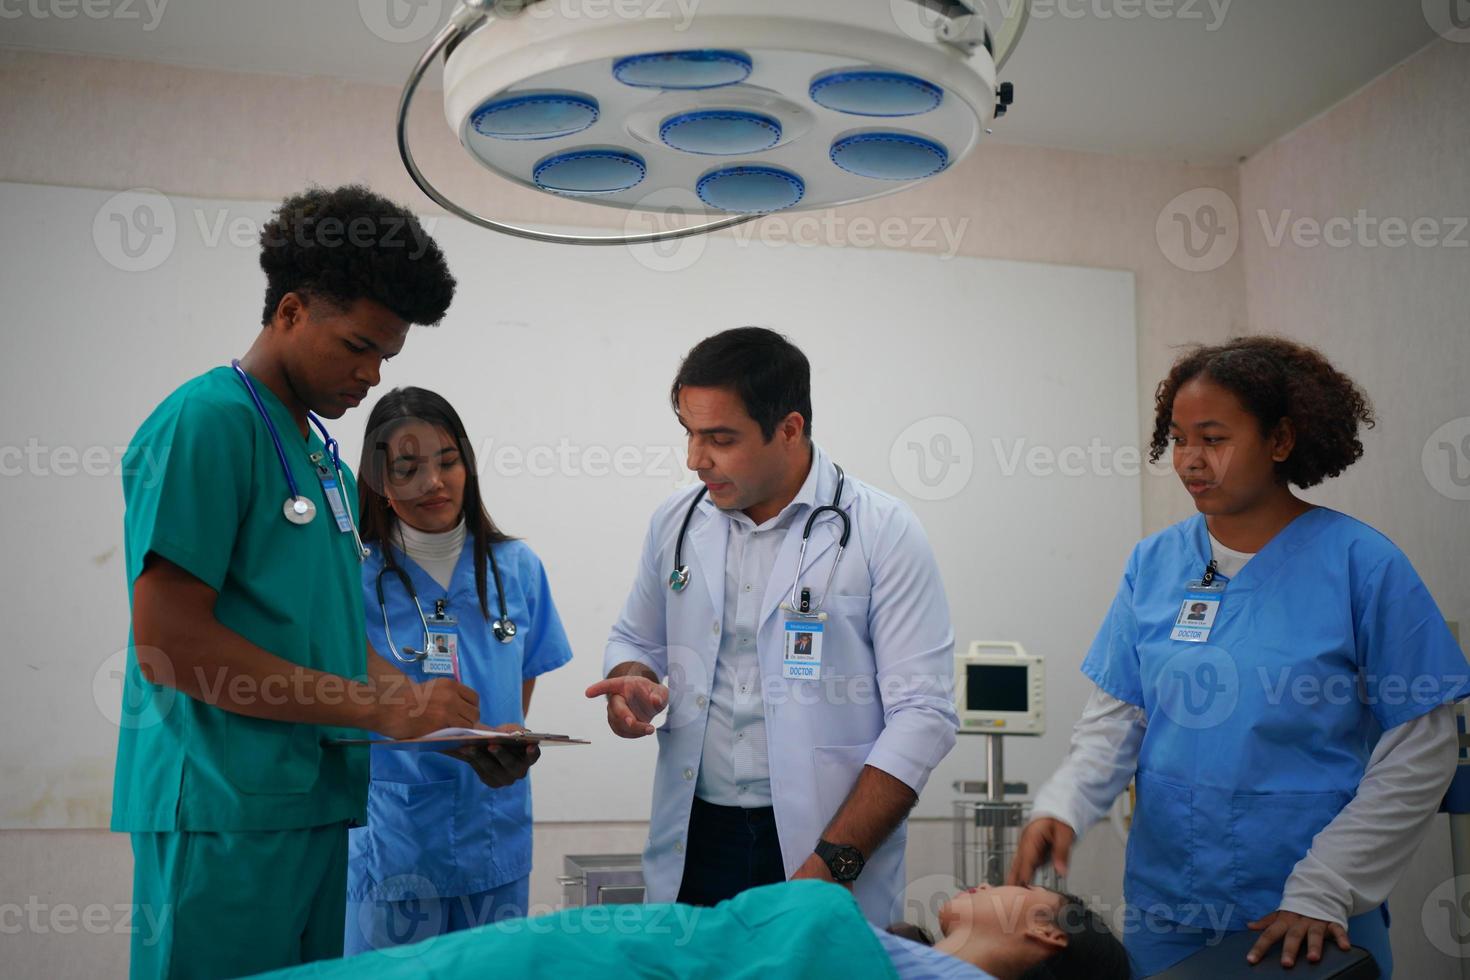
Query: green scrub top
x: 204, y: 489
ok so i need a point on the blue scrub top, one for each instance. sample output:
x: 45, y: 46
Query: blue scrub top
x: 1258, y: 738
x: 432, y: 824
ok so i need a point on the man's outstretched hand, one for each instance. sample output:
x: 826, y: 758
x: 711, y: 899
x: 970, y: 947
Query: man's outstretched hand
x: 632, y: 701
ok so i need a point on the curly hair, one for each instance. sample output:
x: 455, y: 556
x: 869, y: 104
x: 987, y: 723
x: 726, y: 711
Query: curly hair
x: 348, y: 244
x: 1276, y: 379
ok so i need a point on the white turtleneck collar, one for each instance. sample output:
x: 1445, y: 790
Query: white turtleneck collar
x: 435, y: 552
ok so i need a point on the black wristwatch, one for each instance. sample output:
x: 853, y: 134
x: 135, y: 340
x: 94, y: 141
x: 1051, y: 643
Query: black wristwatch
x: 843, y: 860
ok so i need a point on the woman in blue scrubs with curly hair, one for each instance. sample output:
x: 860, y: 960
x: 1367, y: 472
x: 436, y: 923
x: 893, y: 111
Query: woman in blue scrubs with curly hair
x: 1292, y: 740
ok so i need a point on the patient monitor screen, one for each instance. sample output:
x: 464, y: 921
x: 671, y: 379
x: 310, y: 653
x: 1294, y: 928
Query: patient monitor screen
x: 993, y: 687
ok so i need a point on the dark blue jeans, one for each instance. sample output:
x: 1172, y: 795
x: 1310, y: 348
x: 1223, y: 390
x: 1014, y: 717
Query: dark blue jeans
x: 727, y: 850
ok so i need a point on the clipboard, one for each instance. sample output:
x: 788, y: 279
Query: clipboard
x: 447, y: 739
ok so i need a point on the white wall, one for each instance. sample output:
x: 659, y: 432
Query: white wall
x: 88, y: 122
x: 1396, y: 317
x: 564, y: 393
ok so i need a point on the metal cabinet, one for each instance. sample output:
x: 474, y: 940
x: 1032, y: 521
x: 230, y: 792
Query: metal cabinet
x: 602, y: 879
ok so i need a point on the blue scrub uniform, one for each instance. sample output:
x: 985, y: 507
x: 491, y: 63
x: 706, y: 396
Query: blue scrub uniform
x: 1258, y: 737
x: 441, y: 850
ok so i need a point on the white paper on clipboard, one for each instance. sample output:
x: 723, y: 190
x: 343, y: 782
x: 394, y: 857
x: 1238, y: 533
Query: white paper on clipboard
x: 446, y: 739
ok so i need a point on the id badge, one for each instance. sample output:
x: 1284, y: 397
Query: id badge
x: 803, y: 660
x: 1197, y: 612
x: 443, y: 652
x: 333, y: 492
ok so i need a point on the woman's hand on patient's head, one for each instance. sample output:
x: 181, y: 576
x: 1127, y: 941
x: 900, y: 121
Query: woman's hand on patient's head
x: 1045, y: 838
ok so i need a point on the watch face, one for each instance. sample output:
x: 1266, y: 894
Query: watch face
x: 846, y: 865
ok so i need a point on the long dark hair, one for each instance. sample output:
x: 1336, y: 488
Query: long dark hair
x: 396, y: 408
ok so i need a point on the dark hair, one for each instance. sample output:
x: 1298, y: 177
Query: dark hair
x: 1276, y: 379
x: 348, y: 244
x: 397, y: 407
x: 911, y: 932
x: 1092, y: 951
x: 769, y: 373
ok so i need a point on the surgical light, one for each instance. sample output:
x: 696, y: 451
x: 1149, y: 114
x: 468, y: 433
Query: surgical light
x: 744, y: 108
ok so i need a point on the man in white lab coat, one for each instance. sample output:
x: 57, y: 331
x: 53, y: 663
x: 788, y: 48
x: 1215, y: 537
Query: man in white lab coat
x: 779, y: 759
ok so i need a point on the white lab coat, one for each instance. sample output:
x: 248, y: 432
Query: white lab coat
x: 885, y: 699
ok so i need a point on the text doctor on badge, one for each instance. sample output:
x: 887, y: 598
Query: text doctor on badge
x: 792, y: 620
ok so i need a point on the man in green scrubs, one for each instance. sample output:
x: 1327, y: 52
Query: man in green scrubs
x: 247, y: 649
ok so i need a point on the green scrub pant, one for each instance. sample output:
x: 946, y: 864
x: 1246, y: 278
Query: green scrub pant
x: 236, y: 903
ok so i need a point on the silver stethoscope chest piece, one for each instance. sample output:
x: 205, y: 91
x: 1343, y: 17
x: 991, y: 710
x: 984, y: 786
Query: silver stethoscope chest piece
x: 299, y: 510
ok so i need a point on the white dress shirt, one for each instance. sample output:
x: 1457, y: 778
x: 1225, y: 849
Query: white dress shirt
x: 885, y: 697
x: 734, y: 769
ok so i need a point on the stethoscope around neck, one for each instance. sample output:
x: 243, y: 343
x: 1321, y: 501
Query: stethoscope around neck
x: 503, y: 628
x: 680, y: 576
x: 299, y: 509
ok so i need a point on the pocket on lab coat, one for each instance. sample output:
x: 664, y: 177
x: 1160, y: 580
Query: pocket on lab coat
x: 847, y: 649
x: 853, y: 607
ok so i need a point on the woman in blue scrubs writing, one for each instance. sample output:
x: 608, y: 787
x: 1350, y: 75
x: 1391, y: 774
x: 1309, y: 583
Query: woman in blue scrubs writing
x: 1292, y: 744
x: 444, y: 850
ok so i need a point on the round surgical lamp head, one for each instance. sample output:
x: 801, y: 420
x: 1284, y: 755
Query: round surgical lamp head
x: 727, y: 108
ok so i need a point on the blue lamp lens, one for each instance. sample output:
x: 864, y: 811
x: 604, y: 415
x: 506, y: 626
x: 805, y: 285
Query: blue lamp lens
x: 720, y: 131
x: 876, y: 93
x: 589, y: 172
x: 534, y: 117
x: 750, y: 190
x: 683, y: 69
x: 890, y: 156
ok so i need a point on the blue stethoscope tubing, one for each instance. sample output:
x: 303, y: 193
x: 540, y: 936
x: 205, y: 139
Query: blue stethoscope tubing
x: 679, y: 577
x: 298, y: 504
x: 504, y: 628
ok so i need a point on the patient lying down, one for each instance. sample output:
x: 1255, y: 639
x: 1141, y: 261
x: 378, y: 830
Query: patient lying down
x: 799, y: 929
x: 1010, y: 933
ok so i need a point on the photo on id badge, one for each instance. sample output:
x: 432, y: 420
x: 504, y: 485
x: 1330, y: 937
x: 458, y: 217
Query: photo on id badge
x: 803, y: 650
x: 1195, y: 620
x: 443, y: 658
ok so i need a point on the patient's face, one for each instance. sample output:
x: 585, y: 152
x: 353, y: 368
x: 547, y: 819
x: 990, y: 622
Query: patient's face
x: 1008, y: 910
